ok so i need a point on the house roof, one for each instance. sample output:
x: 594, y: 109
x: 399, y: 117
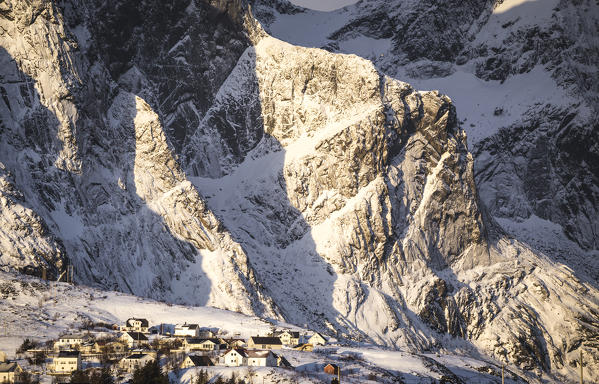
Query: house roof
x: 69, y: 354
x: 136, y: 356
x: 137, y: 336
x: 201, y: 361
x: 199, y: 340
x: 8, y: 367
x: 266, y: 340
x: 240, y: 351
x: 283, y: 362
x: 317, y: 334
x: 293, y: 334
x: 72, y: 336
x: 144, y: 322
x: 187, y: 326
x: 259, y: 354
x: 335, y: 366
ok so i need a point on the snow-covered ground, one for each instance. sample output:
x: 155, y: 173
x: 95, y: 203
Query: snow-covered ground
x: 486, y: 106
x: 41, y: 311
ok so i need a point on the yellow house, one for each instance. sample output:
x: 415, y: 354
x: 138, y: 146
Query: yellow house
x: 196, y: 361
x: 196, y: 344
x: 10, y: 372
x: 317, y: 339
x: 257, y: 342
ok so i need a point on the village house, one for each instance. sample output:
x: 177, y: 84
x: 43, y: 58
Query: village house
x: 331, y: 369
x: 134, y: 339
x: 317, y: 339
x: 70, y: 341
x: 197, y: 344
x: 261, y: 359
x: 257, y: 342
x: 235, y: 358
x: 109, y: 346
x: 196, y: 361
x: 234, y: 343
x: 134, y: 361
x: 187, y: 330
x: 87, y: 347
x: 10, y: 372
x: 136, y: 325
x: 66, y: 362
x: 288, y: 337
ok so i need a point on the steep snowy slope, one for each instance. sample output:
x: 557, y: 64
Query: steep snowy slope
x: 181, y: 153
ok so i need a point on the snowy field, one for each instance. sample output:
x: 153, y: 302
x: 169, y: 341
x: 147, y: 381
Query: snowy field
x: 40, y: 311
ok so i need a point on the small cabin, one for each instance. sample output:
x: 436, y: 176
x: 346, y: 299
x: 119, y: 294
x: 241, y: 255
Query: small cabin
x: 331, y: 369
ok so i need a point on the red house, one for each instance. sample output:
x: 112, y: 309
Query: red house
x: 331, y: 369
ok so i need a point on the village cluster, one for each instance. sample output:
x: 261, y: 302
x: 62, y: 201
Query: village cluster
x: 127, y: 348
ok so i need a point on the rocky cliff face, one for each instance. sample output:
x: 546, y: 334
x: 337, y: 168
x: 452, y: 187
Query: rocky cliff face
x: 545, y: 51
x: 184, y: 154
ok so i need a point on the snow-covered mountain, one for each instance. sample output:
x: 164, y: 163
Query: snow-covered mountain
x: 180, y: 152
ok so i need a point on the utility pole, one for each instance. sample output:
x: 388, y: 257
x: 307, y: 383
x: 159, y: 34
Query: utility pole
x: 581, y: 377
x: 502, y: 375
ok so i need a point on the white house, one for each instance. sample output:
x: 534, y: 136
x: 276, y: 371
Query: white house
x: 136, y: 325
x: 132, y: 362
x: 134, y: 339
x: 288, y: 337
x: 261, y: 359
x: 66, y: 362
x: 10, y: 372
x: 70, y: 341
x: 235, y: 358
x: 317, y: 339
x: 187, y: 330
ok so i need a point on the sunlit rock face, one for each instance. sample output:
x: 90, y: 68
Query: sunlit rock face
x: 180, y: 152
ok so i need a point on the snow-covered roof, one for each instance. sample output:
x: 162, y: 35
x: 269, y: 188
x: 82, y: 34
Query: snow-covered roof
x: 144, y: 322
